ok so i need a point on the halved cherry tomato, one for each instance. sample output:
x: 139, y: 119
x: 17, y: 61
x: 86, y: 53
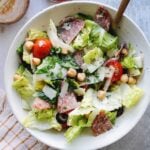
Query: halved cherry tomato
x: 118, y: 69
x: 41, y: 48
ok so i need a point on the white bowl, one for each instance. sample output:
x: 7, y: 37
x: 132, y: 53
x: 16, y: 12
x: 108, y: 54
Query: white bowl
x: 128, y: 32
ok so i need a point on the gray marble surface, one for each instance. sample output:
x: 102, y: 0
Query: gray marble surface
x: 139, y: 11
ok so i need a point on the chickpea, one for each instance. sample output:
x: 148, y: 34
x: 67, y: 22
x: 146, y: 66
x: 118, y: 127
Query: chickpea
x: 132, y: 80
x: 101, y: 94
x: 36, y: 61
x: 29, y: 45
x: 16, y: 77
x: 64, y: 51
x: 124, y: 78
x: 72, y: 73
x: 81, y: 76
x: 124, y: 51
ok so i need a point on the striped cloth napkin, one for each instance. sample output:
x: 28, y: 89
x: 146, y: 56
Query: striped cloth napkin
x: 12, y: 135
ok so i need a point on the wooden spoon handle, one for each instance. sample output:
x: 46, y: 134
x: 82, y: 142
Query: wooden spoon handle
x: 119, y: 14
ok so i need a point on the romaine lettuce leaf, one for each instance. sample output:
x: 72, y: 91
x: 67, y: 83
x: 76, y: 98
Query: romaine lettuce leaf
x: 93, y: 66
x: 78, y: 117
x: 92, y: 35
x: 83, y: 39
x: 73, y: 132
x: 26, y: 56
x: 34, y: 34
x: 138, y: 60
x: 80, y: 91
x: 31, y: 121
x: 109, y: 42
x: 88, y: 98
x: 20, y: 70
x: 128, y: 62
x: 38, y: 85
x: 111, y: 102
x: 47, y: 64
x: 112, y: 116
x: 103, y: 39
x: 20, y: 50
x: 54, y: 67
x: 134, y: 72
x: 24, y: 88
x: 69, y: 62
x: 92, y: 55
x: 132, y: 97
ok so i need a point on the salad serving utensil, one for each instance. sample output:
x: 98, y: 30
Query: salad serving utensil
x: 122, y: 7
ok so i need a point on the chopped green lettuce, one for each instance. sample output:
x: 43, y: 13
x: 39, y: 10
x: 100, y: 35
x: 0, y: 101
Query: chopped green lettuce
x: 109, y: 42
x: 132, y: 97
x: 26, y: 56
x: 44, y: 114
x: 128, y: 62
x: 88, y: 98
x: 47, y: 64
x: 20, y: 50
x: 111, y: 102
x: 73, y: 84
x: 31, y: 121
x: 93, y: 66
x: 92, y: 55
x: 134, y: 72
x: 78, y: 117
x: 34, y: 34
x: 92, y: 35
x: 38, y: 85
x: 24, y: 88
x: 20, y: 70
x: 112, y: 116
x: 138, y: 60
x: 73, y: 132
x: 103, y: 39
x: 69, y: 62
x: 54, y: 67
x: 80, y: 91
x: 83, y: 39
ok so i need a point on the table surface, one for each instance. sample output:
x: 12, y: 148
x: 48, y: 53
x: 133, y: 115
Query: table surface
x: 139, y: 11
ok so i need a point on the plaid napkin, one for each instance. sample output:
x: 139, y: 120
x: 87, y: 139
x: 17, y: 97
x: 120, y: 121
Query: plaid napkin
x: 12, y: 135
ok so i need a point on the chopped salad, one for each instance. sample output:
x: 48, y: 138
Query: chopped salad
x: 77, y: 75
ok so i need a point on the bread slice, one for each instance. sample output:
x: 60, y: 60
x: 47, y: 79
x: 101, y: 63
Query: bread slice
x: 12, y: 10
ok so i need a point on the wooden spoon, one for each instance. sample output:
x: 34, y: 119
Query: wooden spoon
x: 119, y: 14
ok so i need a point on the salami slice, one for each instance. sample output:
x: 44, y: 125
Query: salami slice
x: 103, y: 18
x: 66, y: 103
x: 101, y: 124
x: 70, y: 28
x: 40, y: 104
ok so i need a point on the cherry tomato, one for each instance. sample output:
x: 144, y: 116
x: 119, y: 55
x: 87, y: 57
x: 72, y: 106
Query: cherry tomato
x: 41, y: 48
x: 118, y: 69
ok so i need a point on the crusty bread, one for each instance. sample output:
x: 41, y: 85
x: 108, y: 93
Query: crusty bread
x: 12, y: 10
